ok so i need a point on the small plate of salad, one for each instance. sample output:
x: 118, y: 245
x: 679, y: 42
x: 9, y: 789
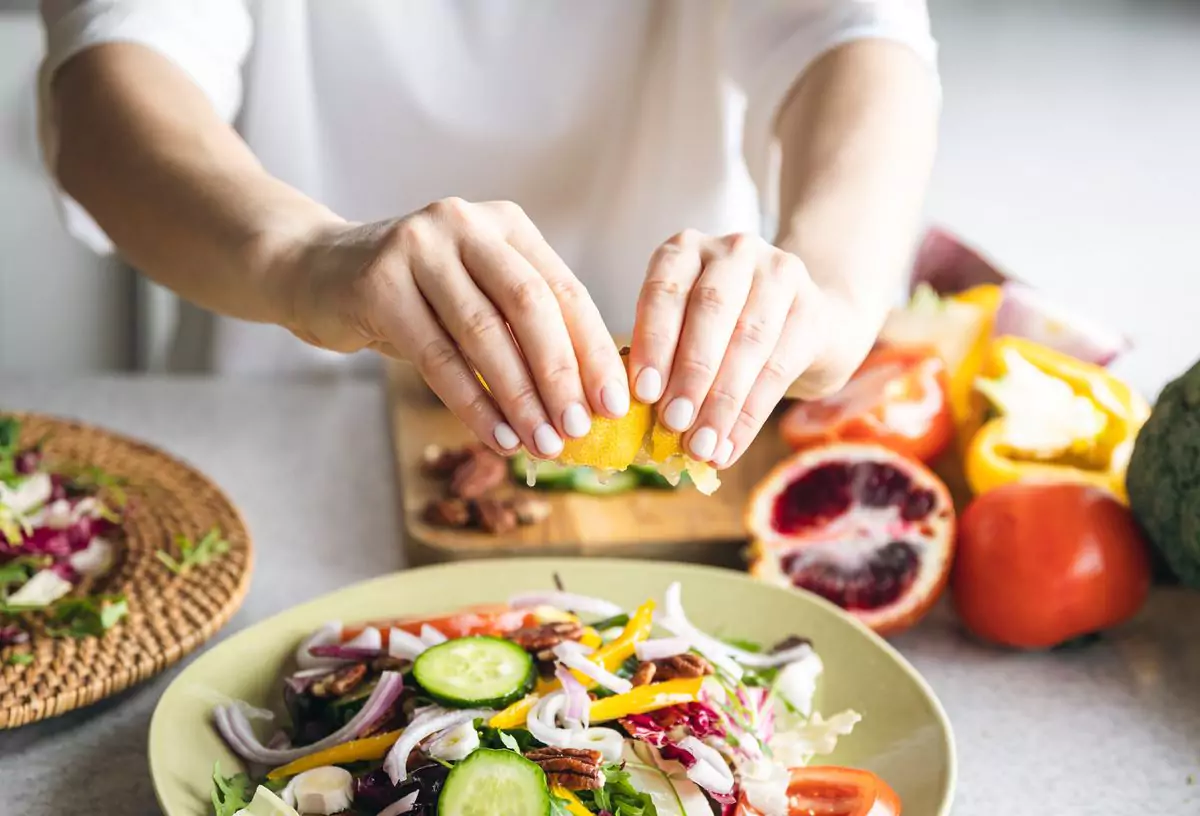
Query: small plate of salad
x: 554, y: 688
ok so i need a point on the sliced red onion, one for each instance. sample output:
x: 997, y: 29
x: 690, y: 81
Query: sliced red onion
x: 330, y: 632
x: 402, y: 805
x: 572, y: 659
x: 676, y: 621
x: 661, y: 648
x: 567, y: 601
x: 404, y: 645
x: 1029, y: 314
x: 431, y: 636
x: 710, y: 770
x: 428, y: 722
x: 234, y: 725
x: 579, y: 705
x: 949, y: 266
x: 342, y: 653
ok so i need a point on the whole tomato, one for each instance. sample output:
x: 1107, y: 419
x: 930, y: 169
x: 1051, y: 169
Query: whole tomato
x: 1042, y: 563
x: 897, y: 398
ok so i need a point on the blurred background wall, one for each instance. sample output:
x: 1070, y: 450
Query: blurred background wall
x: 1070, y: 152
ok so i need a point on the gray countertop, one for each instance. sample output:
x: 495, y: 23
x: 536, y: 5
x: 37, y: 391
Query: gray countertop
x: 1110, y: 729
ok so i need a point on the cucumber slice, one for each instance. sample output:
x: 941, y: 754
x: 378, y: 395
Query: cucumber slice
x: 549, y: 475
x: 475, y: 672
x: 495, y: 783
x: 588, y: 481
x: 650, y: 477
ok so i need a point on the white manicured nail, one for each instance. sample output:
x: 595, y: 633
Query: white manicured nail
x: 615, y: 397
x: 724, y: 451
x: 679, y: 414
x: 649, y: 385
x: 576, y: 421
x: 704, y: 444
x: 506, y: 437
x: 548, y: 442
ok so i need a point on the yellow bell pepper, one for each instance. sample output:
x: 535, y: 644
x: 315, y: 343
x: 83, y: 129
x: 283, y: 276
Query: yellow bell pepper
x: 516, y: 714
x: 646, y: 698
x: 1059, y: 419
x: 613, y: 654
x: 966, y: 405
x: 573, y: 805
x: 591, y: 638
x: 360, y: 750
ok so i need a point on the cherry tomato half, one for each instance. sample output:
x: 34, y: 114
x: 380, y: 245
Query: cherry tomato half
x: 487, y: 619
x: 1041, y: 563
x: 827, y: 790
x: 897, y: 398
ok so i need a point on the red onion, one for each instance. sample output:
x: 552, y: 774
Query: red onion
x: 405, y: 645
x: 567, y: 601
x: 341, y: 653
x: 949, y: 266
x: 1025, y: 313
x: 234, y: 725
x: 428, y: 721
x: 579, y: 705
x: 330, y: 632
x: 661, y: 648
x: 572, y: 659
x: 402, y: 805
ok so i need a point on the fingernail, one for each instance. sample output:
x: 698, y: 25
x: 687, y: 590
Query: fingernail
x: 548, y: 442
x: 576, y: 421
x: 648, y: 386
x: 703, y: 444
x: 506, y: 437
x: 724, y: 451
x: 615, y: 397
x: 679, y: 413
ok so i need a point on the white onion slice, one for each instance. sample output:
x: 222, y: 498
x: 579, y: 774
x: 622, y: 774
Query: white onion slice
x: 709, y: 771
x: 369, y: 638
x: 543, y: 725
x: 429, y: 721
x: 329, y: 634
x: 402, y: 805
x: 567, y: 601
x: 94, y: 559
x: 661, y: 648
x: 1029, y: 314
x: 676, y: 621
x: 579, y: 706
x: 431, y: 636
x: 405, y: 645
x: 572, y: 659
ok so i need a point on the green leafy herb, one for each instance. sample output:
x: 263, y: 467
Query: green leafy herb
x: 618, y: 796
x: 10, y: 432
x: 19, y: 659
x: 91, y: 479
x: 559, y: 806
x: 89, y: 616
x: 20, y: 570
x: 230, y: 793
x: 611, y: 623
x: 518, y: 740
x: 194, y: 553
x: 509, y: 743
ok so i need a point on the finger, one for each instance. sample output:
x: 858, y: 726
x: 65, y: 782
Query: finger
x: 483, y: 336
x: 796, y: 350
x: 605, y: 381
x: 528, y: 305
x: 405, y: 321
x: 662, y: 303
x: 716, y: 301
x: 757, y: 333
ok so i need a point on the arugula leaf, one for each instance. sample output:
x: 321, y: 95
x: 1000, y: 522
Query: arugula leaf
x: 89, y: 616
x: 518, y: 739
x: 194, y: 553
x: 19, y: 659
x: 509, y: 743
x: 611, y: 623
x: 91, y: 479
x: 20, y: 570
x: 618, y: 796
x: 559, y: 806
x: 230, y: 793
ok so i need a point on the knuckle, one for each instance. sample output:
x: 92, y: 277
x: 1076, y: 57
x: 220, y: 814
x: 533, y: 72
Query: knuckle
x: 524, y: 401
x: 687, y: 238
x: 529, y: 295
x: 479, y: 408
x: 665, y: 289
x: 697, y: 369
x: 775, y: 373
x: 558, y: 372
x: 722, y: 400
x: 708, y: 298
x: 753, y: 331
x: 567, y: 290
x: 452, y: 209
x: 435, y: 356
x: 414, y: 235
x: 739, y: 241
x: 511, y: 210
x: 481, y: 324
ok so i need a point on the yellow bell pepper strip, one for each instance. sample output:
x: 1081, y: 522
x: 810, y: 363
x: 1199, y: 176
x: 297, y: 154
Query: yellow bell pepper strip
x: 1059, y: 419
x: 591, y: 638
x: 613, y: 654
x: 646, y: 698
x: 516, y: 714
x: 360, y: 750
x: 966, y: 404
x: 571, y: 801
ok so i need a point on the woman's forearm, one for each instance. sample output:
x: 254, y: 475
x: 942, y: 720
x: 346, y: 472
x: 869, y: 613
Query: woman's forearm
x: 858, y: 137
x: 174, y: 187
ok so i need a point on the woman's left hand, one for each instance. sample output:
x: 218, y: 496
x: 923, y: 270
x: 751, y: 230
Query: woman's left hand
x: 725, y: 326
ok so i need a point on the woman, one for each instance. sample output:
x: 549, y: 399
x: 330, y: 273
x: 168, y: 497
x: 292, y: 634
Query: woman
x: 489, y: 184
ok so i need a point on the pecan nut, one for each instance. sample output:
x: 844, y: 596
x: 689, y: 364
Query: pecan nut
x: 447, y: 513
x: 644, y: 675
x: 540, y: 640
x: 681, y: 666
x: 342, y: 681
x: 494, y: 516
x: 570, y: 768
x: 481, y: 472
x: 440, y: 463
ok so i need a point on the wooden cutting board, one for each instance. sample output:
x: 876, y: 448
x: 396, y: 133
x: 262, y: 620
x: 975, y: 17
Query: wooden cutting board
x: 681, y: 525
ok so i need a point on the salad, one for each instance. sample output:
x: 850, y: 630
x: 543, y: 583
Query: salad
x: 554, y: 704
x: 57, y: 530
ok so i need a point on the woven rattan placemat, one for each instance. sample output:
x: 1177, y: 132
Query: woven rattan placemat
x: 169, y: 615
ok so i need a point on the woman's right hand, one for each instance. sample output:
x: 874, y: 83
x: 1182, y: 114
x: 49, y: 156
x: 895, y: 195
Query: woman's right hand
x: 458, y: 287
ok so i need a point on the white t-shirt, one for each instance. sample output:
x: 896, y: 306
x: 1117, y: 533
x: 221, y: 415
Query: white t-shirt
x: 613, y: 124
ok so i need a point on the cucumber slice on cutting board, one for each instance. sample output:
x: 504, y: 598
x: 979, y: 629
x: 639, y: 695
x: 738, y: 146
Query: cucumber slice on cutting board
x: 590, y: 482
x: 549, y: 475
x: 495, y: 783
x: 475, y: 672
